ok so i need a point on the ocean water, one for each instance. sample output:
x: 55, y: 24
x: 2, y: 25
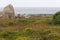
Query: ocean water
x: 35, y: 10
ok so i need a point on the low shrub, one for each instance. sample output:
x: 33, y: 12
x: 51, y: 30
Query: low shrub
x: 56, y: 18
x: 23, y: 38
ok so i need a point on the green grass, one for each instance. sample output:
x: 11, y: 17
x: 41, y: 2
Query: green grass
x: 30, y: 34
x: 28, y: 29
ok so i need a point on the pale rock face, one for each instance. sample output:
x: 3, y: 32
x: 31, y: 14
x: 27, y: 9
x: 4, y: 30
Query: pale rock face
x: 8, y: 12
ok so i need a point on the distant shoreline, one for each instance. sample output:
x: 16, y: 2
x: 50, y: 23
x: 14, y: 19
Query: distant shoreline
x: 35, y: 10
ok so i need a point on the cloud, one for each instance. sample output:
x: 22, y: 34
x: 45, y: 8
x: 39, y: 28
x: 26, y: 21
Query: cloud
x: 31, y: 3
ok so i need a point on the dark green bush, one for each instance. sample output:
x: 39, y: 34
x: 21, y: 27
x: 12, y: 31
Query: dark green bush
x: 56, y: 18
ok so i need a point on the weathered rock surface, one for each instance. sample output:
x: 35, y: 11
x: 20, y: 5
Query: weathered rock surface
x: 8, y: 12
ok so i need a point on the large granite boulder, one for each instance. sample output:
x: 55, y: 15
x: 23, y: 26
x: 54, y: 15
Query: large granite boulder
x: 8, y: 12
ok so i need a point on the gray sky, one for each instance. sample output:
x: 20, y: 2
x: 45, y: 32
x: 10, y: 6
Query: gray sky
x: 31, y: 3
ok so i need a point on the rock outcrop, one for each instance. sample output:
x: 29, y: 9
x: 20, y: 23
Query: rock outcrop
x: 8, y: 12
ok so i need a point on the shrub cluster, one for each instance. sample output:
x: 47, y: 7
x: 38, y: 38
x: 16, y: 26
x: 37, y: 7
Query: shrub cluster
x: 30, y: 34
x: 56, y: 18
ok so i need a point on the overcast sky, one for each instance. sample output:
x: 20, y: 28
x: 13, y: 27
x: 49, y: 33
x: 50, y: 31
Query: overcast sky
x: 31, y: 3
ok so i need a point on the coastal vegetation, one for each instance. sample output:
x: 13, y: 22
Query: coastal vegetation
x: 14, y: 27
x: 29, y: 29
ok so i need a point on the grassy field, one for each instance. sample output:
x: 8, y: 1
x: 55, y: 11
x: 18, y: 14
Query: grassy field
x: 29, y: 29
